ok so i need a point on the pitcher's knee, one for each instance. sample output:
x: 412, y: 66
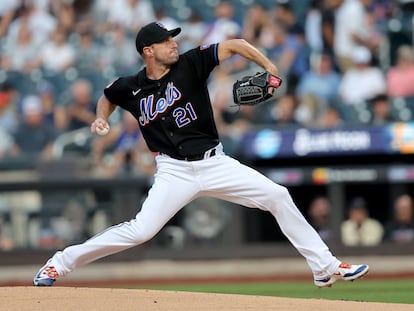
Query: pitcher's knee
x: 285, y: 194
x: 146, y: 235
x: 142, y: 233
x: 278, y: 198
x: 280, y: 193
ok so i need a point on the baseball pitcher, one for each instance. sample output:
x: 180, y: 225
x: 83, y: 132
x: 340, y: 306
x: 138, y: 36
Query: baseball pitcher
x: 170, y: 100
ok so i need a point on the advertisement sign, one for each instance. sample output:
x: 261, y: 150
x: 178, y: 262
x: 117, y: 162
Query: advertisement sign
x: 269, y: 143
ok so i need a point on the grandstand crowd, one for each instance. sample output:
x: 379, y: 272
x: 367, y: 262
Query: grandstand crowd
x: 335, y: 57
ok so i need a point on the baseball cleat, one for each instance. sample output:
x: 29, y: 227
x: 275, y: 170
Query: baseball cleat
x: 46, y: 276
x: 346, y: 272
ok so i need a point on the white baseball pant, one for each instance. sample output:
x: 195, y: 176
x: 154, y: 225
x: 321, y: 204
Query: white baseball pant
x: 177, y: 183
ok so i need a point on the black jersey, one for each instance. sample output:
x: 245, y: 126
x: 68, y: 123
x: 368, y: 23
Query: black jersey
x: 174, y: 113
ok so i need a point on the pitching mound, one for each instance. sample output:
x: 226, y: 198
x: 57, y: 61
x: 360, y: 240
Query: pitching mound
x: 102, y: 299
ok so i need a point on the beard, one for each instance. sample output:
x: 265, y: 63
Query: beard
x: 168, y: 59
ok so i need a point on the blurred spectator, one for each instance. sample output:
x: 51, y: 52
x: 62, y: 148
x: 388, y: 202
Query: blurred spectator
x: 100, y: 10
x: 8, y: 11
x: 99, y: 14
x: 80, y: 112
x: 130, y: 14
x: 65, y: 13
x: 317, y: 88
x: 224, y: 26
x: 40, y: 23
x: 256, y: 19
x: 319, y: 211
x: 400, y: 77
x: 330, y: 118
x: 359, y: 229
x: 381, y: 110
x: 220, y: 87
x: 313, y: 26
x: 232, y: 122
x: 56, y: 57
x: 349, y: 35
x: 57, y: 54
x: 130, y: 155
x: 373, y: 39
x: 363, y: 81
x: 282, y: 112
x: 165, y: 19
x: 243, y: 120
x: 328, y: 22
x: 87, y: 55
x: 118, y: 43
x: 284, y: 16
x: 21, y: 54
x: 401, y: 228
x: 192, y: 31
x: 54, y: 113
x: 382, y: 11
x: 287, y: 52
x: 34, y: 137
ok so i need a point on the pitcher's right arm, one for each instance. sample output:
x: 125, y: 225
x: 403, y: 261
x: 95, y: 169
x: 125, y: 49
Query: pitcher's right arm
x: 104, y: 109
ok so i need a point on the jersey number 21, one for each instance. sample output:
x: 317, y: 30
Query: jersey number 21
x: 184, y: 115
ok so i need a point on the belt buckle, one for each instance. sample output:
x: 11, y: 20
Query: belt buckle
x: 210, y: 153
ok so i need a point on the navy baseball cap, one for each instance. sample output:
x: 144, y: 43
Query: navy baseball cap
x: 153, y: 33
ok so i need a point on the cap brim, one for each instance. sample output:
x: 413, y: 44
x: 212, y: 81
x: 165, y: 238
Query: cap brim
x: 174, y: 32
x: 170, y: 33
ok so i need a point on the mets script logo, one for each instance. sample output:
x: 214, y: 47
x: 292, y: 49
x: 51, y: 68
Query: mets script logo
x: 150, y: 109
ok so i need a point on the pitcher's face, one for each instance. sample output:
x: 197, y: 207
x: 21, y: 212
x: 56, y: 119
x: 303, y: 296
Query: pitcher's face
x: 165, y: 52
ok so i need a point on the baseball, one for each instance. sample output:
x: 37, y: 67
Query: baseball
x: 102, y: 131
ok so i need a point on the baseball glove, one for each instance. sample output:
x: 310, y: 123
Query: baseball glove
x: 252, y: 90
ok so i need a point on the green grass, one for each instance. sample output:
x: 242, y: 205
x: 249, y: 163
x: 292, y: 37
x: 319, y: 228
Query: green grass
x: 392, y: 291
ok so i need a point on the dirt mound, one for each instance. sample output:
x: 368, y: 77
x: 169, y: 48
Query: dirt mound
x: 102, y: 299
